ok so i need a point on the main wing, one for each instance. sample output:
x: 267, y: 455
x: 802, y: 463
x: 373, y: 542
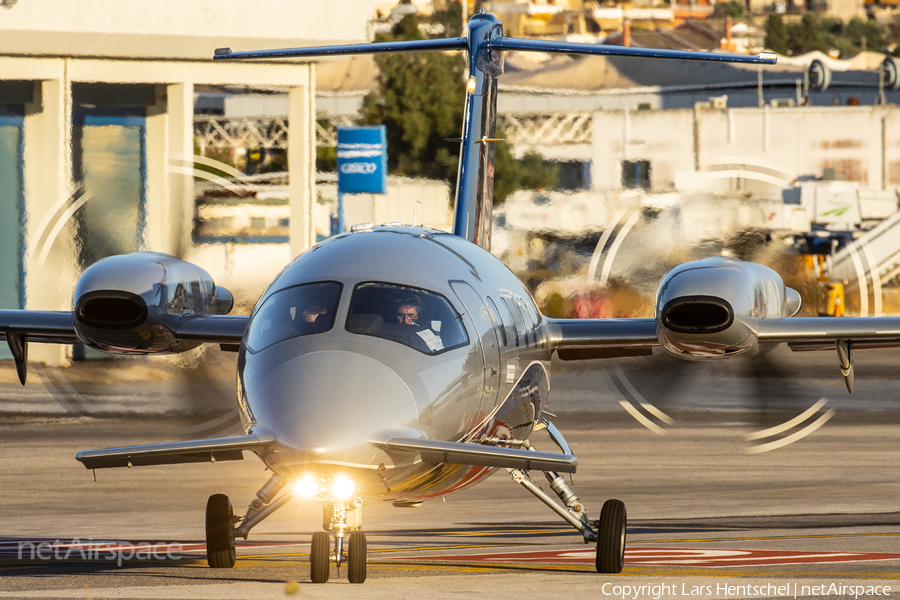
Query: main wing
x: 576, y: 339
x: 814, y: 333
x: 18, y: 327
x: 57, y: 327
x: 580, y: 339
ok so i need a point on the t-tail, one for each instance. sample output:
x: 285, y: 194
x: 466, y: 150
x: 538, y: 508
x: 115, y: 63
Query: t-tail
x: 485, y: 45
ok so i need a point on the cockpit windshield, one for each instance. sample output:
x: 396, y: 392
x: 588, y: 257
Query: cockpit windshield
x: 413, y: 317
x: 294, y: 311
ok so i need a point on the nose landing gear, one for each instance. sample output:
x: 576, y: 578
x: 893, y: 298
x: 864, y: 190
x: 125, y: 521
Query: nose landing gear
x: 339, y: 517
x: 344, y: 518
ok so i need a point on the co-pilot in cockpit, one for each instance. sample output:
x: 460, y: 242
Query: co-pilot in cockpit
x: 292, y: 312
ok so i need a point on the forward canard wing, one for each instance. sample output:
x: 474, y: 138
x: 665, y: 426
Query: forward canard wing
x: 460, y: 453
x: 170, y: 453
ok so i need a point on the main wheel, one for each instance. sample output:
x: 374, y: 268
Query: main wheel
x: 319, y: 560
x: 356, y: 568
x: 219, y: 532
x: 611, y: 537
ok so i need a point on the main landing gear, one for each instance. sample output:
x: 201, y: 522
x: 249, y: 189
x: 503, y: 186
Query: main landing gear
x: 610, y: 528
x: 344, y: 518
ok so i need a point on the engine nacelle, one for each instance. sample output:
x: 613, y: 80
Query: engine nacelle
x: 133, y: 303
x: 706, y: 308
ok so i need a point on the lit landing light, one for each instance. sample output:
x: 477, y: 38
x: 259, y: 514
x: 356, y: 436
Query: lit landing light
x: 306, y: 486
x: 342, y: 487
x: 470, y: 86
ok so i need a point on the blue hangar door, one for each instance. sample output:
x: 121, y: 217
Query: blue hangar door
x: 12, y: 225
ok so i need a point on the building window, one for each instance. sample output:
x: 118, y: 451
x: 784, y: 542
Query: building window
x: 636, y: 174
x: 573, y: 175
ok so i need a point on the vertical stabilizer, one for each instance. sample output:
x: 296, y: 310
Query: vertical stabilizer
x: 475, y: 178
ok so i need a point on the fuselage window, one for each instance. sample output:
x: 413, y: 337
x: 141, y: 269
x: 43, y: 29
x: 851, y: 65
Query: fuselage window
x: 292, y: 312
x: 507, y: 322
x: 524, y: 319
x: 515, y: 322
x: 533, y: 312
x: 422, y: 320
x: 498, y: 318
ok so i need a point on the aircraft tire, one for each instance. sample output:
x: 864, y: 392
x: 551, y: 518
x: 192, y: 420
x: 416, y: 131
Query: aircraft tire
x: 356, y: 567
x: 319, y: 560
x: 219, y: 532
x: 611, y: 537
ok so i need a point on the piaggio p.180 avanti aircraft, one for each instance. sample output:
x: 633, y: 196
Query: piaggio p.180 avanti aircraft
x: 362, y: 375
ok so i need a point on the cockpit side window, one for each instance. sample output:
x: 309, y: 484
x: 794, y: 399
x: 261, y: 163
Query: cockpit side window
x: 292, y: 312
x: 414, y: 317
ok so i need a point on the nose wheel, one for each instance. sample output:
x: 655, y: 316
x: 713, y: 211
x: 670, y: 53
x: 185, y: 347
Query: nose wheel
x: 321, y: 557
x: 356, y: 560
x: 349, y: 547
x: 319, y: 560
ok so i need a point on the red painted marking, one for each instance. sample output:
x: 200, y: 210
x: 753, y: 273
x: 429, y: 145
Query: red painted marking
x: 672, y: 557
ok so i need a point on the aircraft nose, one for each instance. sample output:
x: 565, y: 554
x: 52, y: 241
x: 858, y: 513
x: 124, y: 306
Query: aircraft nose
x: 330, y: 401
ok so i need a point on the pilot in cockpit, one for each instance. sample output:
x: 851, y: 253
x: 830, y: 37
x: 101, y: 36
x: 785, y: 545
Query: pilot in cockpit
x: 409, y: 311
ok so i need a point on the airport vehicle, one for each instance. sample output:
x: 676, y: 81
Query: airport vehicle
x: 404, y: 363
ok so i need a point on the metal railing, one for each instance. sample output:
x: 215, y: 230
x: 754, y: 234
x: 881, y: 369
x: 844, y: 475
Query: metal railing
x: 218, y: 133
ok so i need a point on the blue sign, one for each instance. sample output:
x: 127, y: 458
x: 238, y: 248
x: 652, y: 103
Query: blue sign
x: 362, y: 160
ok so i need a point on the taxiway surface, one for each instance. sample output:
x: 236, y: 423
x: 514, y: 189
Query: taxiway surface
x: 711, y: 513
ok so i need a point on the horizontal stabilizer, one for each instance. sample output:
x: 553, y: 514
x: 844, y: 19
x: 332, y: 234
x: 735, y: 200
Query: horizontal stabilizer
x: 498, y: 43
x: 458, y: 453
x: 211, y: 450
x: 379, y: 47
x: 557, y: 47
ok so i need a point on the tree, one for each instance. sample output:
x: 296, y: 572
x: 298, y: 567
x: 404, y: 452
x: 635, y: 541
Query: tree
x: 420, y: 100
x: 732, y: 9
x: 807, y: 35
x: 825, y: 34
x: 776, y: 35
x: 872, y: 33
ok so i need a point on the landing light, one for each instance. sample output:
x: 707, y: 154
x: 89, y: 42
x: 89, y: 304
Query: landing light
x: 342, y: 487
x: 306, y: 486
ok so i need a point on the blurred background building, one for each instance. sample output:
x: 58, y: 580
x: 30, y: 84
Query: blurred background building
x: 119, y: 133
x: 97, y: 104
